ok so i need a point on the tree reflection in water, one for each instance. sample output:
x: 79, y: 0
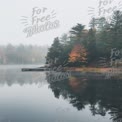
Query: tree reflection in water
x: 103, y: 95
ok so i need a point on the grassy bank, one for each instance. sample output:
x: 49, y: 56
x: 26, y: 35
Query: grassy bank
x: 91, y: 69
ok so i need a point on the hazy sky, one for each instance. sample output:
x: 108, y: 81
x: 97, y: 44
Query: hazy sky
x: 68, y: 12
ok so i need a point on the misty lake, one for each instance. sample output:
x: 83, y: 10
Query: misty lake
x: 30, y: 97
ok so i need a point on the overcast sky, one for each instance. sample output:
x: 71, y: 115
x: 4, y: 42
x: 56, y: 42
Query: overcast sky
x: 68, y: 12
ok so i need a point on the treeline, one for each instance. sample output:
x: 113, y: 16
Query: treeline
x: 22, y: 54
x: 87, y: 47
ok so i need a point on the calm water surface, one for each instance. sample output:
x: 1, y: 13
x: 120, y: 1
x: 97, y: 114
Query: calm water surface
x: 29, y: 97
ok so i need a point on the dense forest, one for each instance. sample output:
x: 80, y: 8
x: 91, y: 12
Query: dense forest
x: 87, y: 47
x: 22, y: 54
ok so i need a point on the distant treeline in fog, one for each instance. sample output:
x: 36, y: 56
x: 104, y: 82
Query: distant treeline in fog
x: 22, y: 54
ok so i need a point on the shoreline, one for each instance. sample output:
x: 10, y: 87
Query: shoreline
x: 92, y: 69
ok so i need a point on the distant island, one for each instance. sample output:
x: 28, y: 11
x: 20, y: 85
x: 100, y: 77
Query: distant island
x: 22, y: 54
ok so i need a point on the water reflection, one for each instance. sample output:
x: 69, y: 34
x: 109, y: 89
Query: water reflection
x: 15, y: 76
x: 104, y: 96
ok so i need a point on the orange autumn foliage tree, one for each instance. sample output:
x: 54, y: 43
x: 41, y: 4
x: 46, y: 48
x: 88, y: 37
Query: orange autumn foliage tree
x: 78, y: 54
